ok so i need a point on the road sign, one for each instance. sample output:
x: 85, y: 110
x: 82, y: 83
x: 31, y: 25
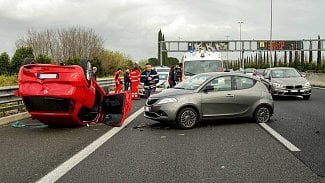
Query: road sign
x: 208, y: 46
x: 279, y: 45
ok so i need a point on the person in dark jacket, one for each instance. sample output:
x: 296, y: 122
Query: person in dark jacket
x: 171, y: 77
x: 150, y: 78
x: 178, y: 73
x: 127, y: 80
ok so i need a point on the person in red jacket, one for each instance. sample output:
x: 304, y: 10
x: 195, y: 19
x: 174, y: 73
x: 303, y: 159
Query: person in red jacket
x: 118, y: 81
x: 135, y: 81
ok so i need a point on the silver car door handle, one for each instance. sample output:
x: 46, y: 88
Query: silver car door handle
x: 230, y: 95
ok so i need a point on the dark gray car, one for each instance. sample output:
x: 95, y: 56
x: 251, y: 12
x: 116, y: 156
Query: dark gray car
x: 209, y: 96
x: 286, y: 81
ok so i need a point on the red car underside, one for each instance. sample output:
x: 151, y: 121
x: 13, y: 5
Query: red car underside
x: 62, y: 96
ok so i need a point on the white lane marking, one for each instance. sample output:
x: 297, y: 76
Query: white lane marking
x: 279, y: 137
x: 62, y: 169
x: 318, y: 87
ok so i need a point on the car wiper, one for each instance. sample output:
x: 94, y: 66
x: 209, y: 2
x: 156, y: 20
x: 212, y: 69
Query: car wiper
x: 192, y: 74
x: 180, y: 88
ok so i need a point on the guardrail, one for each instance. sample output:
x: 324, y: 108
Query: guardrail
x: 9, y: 102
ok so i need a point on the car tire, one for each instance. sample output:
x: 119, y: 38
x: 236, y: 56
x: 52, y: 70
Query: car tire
x: 28, y: 61
x: 187, y: 118
x: 87, y: 68
x: 262, y: 114
x: 306, y: 97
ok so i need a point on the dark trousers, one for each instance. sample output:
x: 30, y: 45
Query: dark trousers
x: 148, y: 92
x: 126, y: 86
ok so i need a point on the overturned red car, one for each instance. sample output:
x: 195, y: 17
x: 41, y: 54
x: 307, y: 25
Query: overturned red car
x: 60, y: 95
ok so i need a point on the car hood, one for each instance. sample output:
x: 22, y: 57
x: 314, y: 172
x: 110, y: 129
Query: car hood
x: 171, y: 92
x: 290, y: 81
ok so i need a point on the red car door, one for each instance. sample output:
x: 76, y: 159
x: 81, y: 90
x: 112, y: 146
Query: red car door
x: 116, y: 107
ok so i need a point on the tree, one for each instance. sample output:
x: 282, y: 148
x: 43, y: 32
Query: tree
x: 172, y: 61
x: 97, y: 63
x: 164, y: 54
x: 310, y: 52
x: 302, y: 57
x: 4, y: 63
x: 290, y: 57
x: 285, y: 62
x: 153, y: 61
x: 160, y: 38
x: 43, y: 59
x: 18, y: 58
x: 275, y: 59
x: 63, y: 44
x: 72, y: 61
x: 319, y: 53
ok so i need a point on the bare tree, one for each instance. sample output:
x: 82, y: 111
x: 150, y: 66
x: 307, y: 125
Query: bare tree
x: 62, y: 44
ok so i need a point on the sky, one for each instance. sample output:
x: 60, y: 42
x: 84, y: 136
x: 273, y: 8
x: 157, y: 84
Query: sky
x: 131, y: 26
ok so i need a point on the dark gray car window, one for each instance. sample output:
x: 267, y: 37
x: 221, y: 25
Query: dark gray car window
x: 243, y: 82
x: 221, y: 83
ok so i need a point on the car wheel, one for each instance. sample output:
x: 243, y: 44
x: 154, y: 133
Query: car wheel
x: 86, y: 66
x: 28, y: 61
x: 262, y: 114
x: 187, y: 118
x: 306, y: 97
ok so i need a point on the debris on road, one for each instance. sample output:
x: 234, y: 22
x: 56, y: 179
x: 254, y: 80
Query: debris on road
x: 19, y: 124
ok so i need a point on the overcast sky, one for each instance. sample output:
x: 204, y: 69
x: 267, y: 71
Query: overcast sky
x: 131, y: 26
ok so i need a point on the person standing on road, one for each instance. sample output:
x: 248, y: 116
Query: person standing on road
x: 150, y: 78
x: 127, y: 80
x: 118, y: 81
x: 94, y: 73
x: 179, y: 73
x: 171, y: 77
x: 135, y: 81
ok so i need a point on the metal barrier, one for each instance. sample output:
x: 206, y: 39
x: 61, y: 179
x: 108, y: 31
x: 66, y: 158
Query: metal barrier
x: 9, y: 102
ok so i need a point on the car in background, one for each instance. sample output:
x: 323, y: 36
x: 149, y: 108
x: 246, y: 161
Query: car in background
x: 162, y: 69
x: 250, y: 71
x: 210, y: 96
x: 286, y: 81
x: 68, y: 95
x: 163, y: 81
x: 259, y: 72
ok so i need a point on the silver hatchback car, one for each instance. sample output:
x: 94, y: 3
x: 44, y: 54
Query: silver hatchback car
x: 210, y: 96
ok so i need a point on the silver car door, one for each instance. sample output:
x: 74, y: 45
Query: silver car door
x: 247, y: 93
x: 221, y: 100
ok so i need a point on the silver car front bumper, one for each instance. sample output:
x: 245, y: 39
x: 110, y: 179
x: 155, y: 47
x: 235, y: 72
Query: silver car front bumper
x: 291, y: 92
x: 164, y: 112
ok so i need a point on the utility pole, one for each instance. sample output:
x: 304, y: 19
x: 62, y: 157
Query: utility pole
x: 241, y: 45
x: 227, y: 47
x: 271, y: 24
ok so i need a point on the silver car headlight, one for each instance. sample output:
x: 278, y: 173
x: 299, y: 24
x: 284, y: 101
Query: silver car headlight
x: 307, y: 84
x: 167, y: 100
x: 276, y: 85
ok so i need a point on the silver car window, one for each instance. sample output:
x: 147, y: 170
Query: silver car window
x: 243, y: 82
x: 221, y: 83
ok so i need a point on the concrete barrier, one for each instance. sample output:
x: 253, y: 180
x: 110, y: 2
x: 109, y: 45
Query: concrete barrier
x: 316, y: 79
x: 12, y: 118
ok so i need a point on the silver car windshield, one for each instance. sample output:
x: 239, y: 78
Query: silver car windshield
x: 193, y: 82
x: 285, y: 73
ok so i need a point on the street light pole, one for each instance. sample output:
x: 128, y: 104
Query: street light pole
x: 227, y: 52
x: 241, y: 45
x: 227, y: 46
x: 271, y: 27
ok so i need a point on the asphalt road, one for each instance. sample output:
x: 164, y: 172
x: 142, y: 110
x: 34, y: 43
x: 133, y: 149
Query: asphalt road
x: 146, y: 151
